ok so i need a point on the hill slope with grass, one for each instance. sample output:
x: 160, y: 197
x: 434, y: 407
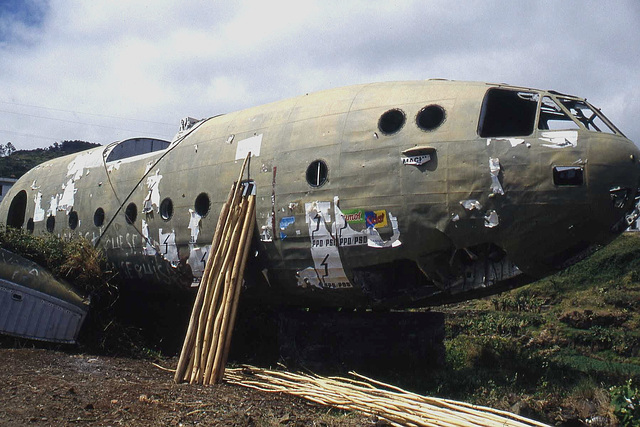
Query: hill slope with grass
x: 558, y: 349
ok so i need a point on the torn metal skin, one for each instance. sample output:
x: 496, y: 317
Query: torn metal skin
x: 455, y: 198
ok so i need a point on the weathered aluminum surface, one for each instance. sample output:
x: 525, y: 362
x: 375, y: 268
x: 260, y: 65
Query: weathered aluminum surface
x: 35, y: 305
x: 405, y: 218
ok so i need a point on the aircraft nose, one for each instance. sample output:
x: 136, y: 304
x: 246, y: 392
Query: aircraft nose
x: 614, y: 181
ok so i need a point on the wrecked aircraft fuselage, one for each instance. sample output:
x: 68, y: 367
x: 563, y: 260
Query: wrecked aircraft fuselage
x: 381, y: 195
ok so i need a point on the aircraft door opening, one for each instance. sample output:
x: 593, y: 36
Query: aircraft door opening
x: 17, y: 210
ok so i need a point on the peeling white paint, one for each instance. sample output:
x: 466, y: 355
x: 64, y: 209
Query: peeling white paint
x: 471, y: 204
x: 33, y: 186
x: 491, y: 219
x: 251, y: 144
x: 266, y: 231
x: 455, y: 218
x: 194, y: 225
x: 38, y: 211
x: 308, y: 277
x: 148, y: 167
x: 148, y: 246
x: 560, y: 139
x: 167, y: 246
x: 67, y: 198
x: 494, y: 167
x: 83, y: 161
x: 329, y: 273
x: 513, y: 141
x: 153, y: 196
x: 53, y: 206
x: 114, y: 166
x: 198, y: 260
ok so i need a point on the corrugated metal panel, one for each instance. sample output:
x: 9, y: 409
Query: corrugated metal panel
x: 31, y: 314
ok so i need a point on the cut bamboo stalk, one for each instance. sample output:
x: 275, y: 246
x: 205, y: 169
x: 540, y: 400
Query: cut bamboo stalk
x: 189, y: 364
x: 185, y: 354
x: 249, y: 226
x: 215, y: 312
x: 211, y: 305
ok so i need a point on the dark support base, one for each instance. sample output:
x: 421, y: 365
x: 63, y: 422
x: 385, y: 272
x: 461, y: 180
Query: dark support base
x: 337, y: 342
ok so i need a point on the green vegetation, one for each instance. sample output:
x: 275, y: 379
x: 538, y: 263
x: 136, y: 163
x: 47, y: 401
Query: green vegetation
x: 15, y: 163
x: 78, y: 262
x: 553, y: 349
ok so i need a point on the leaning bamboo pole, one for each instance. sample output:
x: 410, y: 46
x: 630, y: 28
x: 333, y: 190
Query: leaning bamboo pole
x: 206, y: 344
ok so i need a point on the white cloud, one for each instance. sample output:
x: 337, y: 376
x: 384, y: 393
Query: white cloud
x: 163, y: 60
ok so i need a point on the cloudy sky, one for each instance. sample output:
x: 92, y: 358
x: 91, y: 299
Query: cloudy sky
x: 102, y: 71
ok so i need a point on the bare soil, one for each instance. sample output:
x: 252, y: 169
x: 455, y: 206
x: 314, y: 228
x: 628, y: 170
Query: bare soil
x: 45, y: 387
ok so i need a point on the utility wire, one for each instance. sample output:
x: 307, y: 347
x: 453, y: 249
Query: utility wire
x: 80, y: 123
x: 88, y: 114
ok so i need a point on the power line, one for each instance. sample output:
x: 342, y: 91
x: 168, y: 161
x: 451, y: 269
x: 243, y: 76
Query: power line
x: 30, y: 135
x: 81, y: 123
x: 88, y: 114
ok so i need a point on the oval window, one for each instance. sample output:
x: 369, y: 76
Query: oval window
x: 30, y: 225
x: 17, y: 210
x: 391, y: 121
x: 317, y: 173
x: 73, y: 220
x: 166, y: 209
x: 202, y: 204
x: 430, y: 117
x: 51, y: 223
x: 98, y: 217
x: 131, y: 213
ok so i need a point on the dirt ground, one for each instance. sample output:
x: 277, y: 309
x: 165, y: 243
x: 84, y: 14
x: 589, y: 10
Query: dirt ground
x: 44, y: 387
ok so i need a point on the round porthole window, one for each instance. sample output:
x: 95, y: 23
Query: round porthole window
x: 73, y: 220
x: 131, y: 213
x: 98, y: 217
x: 391, y: 121
x: 202, y: 204
x: 51, y: 223
x: 317, y: 173
x: 430, y: 117
x: 166, y: 209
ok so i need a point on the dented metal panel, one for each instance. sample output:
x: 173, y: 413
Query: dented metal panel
x: 35, y: 305
x: 465, y: 188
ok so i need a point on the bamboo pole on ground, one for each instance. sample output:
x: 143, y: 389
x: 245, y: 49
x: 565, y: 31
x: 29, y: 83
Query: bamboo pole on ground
x: 209, y: 330
x: 392, y: 404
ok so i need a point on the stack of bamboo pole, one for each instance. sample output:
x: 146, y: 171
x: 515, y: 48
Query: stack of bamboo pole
x: 206, y: 345
x: 394, y: 405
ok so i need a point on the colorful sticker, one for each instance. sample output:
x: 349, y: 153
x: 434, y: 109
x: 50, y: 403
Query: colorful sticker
x: 353, y: 216
x: 284, y: 223
x: 377, y: 219
x: 287, y: 221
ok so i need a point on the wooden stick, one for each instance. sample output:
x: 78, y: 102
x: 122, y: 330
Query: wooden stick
x: 221, y: 319
x: 248, y: 235
x: 216, y: 256
x: 213, y: 291
x: 187, y: 346
x: 214, y: 314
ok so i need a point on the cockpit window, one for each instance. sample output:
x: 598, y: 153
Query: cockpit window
x: 135, y: 147
x: 507, y: 112
x: 552, y: 117
x: 591, y: 118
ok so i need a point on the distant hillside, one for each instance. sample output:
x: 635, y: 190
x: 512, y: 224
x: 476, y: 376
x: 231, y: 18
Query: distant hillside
x: 16, y: 163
